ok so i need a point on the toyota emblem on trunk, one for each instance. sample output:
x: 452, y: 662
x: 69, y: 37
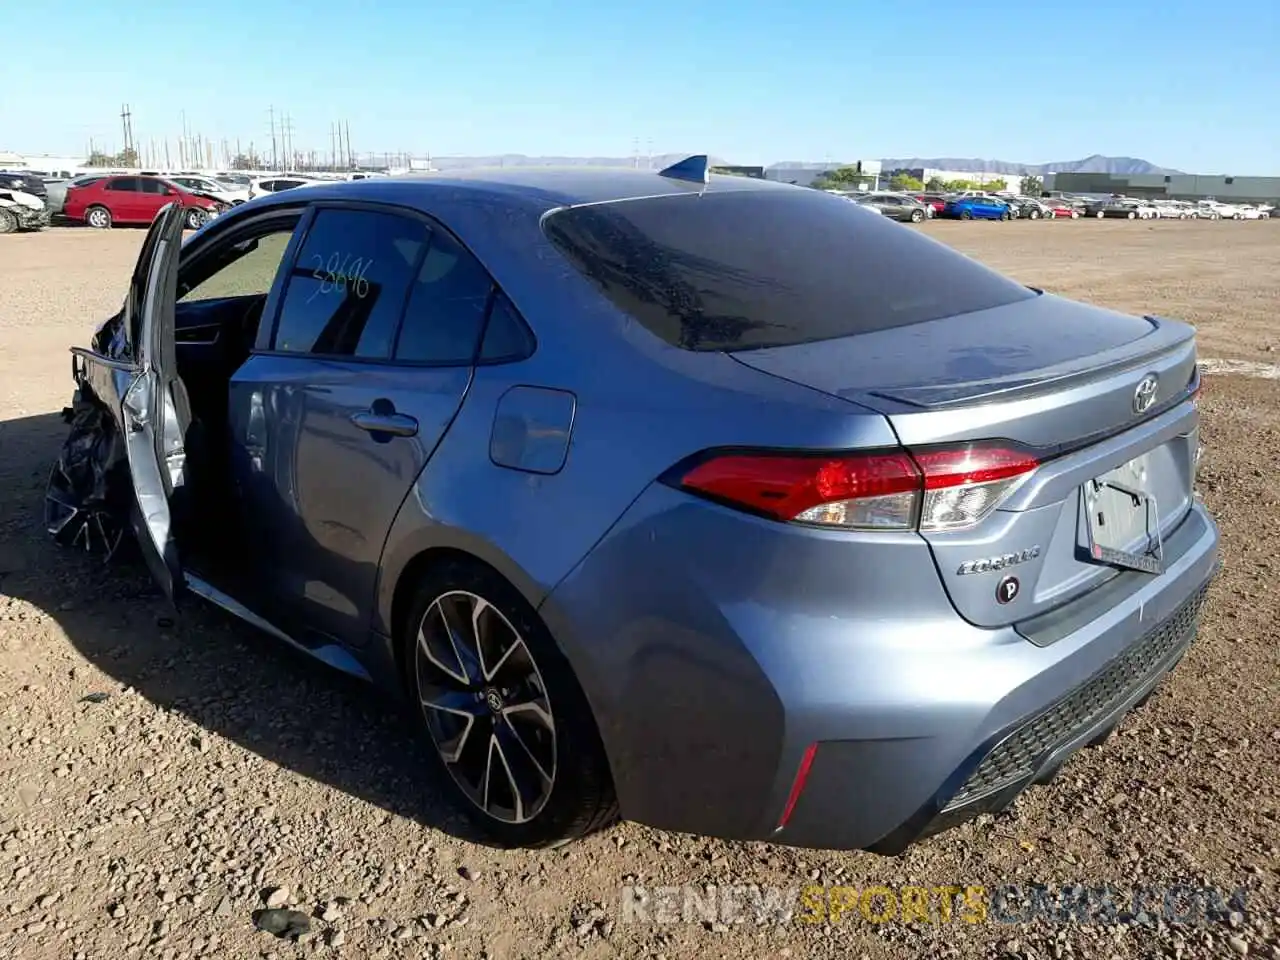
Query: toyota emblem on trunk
x: 1144, y: 395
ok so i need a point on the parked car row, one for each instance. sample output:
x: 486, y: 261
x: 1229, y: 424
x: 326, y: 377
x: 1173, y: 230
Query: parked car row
x: 104, y: 198
x: 980, y: 205
x: 1131, y: 208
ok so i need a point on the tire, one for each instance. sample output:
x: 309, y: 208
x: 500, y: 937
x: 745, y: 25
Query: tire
x: 196, y: 218
x: 966, y: 215
x: 1075, y: 214
x: 917, y: 216
x: 1006, y: 215
x: 1034, y: 215
x: 566, y: 790
x: 98, y: 217
x: 8, y: 222
x: 1131, y: 215
x: 1100, y: 215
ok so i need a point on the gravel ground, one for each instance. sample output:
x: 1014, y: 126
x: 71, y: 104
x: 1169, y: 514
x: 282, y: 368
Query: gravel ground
x: 160, y: 783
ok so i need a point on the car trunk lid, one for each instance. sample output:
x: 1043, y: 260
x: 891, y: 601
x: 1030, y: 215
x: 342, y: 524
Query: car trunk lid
x: 1059, y: 377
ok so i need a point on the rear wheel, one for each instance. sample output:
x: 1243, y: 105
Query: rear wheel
x: 8, y: 222
x: 99, y: 217
x: 917, y: 216
x: 501, y: 705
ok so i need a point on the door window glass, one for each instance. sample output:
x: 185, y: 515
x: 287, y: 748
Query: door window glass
x: 246, y: 268
x: 150, y: 185
x: 505, y: 337
x: 348, y: 287
x: 127, y: 184
x: 445, y: 315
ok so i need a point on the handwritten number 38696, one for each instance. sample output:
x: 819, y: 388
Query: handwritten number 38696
x: 341, y: 274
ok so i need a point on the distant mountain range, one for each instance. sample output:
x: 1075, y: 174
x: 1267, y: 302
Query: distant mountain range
x: 1094, y: 164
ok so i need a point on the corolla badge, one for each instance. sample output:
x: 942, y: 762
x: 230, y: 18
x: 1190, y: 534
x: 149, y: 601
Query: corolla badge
x: 1144, y: 394
x: 987, y: 564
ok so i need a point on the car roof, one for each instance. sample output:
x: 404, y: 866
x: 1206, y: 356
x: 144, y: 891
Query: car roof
x: 543, y: 187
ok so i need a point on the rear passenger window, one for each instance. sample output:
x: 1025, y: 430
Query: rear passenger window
x: 506, y: 337
x: 128, y: 184
x: 348, y: 287
x: 445, y: 316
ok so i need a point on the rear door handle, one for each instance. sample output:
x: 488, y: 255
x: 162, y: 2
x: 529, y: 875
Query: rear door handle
x: 392, y: 424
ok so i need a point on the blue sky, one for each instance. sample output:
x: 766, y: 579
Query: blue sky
x: 1188, y: 85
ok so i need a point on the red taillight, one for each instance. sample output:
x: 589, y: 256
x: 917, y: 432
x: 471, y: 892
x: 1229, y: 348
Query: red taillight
x: 936, y: 489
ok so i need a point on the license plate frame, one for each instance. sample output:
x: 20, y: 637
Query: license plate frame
x: 1130, y: 509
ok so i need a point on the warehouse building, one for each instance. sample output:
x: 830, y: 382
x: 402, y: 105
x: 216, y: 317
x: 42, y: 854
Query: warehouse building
x: 806, y: 174
x: 1174, y: 186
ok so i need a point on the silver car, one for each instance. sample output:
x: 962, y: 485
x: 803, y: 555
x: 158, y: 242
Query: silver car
x: 708, y: 502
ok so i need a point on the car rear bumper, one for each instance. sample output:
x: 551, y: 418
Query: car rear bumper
x: 717, y: 650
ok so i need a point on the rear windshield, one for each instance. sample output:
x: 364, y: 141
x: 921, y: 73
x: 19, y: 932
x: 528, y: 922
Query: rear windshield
x: 739, y: 270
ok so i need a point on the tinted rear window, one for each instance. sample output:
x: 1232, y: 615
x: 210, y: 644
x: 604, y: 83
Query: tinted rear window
x: 747, y: 269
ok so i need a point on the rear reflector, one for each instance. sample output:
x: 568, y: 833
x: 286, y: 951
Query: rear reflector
x: 936, y: 489
x: 797, y: 785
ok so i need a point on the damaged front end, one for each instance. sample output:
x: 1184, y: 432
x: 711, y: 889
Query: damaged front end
x: 28, y: 212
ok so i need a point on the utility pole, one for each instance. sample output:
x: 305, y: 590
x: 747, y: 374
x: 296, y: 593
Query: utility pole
x: 350, y: 161
x: 271, y: 119
x: 286, y: 132
x: 333, y: 149
x: 126, y: 123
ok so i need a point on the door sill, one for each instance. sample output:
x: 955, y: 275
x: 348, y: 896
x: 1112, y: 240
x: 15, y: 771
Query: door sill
x: 331, y: 654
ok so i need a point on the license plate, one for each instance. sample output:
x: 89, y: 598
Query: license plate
x: 1123, y: 523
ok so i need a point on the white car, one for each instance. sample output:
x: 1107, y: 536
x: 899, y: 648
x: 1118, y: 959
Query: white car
x: 222, y: 192
x: 20, y: 210
x: 260, y: 188
x: 1249, y: 212
x: 1146, y: 210
x: 1220, y: 211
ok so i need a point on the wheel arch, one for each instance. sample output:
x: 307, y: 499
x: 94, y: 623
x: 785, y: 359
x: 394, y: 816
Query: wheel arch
x: 412, y: 574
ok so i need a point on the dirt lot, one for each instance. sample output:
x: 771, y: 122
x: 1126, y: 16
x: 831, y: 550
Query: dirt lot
x: 221, y: 766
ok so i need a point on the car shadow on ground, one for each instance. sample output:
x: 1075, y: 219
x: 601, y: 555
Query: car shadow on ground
x: 229, y: 679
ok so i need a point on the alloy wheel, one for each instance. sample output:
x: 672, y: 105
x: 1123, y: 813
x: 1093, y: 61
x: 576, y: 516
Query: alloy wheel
x: 99, y: 217
x: 486, y: 706
x: 78, y: 517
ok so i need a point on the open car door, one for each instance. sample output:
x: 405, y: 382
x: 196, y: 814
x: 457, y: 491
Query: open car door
x: 155, y: 410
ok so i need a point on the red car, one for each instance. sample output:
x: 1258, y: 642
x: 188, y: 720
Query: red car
x: 130, y: 199
x: 1060, y: 209
x: 935, y: 200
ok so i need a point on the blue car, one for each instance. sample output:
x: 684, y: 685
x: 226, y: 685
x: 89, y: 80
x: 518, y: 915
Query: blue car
x: 977, y: 208
x: 709, y: 502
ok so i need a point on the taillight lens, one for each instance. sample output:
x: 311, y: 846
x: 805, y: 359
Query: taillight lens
x: 963, y: 485
x: 930, y: 490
